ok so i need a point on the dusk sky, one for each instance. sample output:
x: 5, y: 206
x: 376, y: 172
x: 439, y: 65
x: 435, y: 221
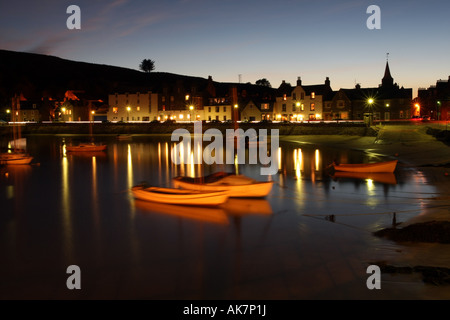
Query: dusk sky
x: 276, y: 40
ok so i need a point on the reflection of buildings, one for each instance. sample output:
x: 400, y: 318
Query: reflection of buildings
x: 435, y: 100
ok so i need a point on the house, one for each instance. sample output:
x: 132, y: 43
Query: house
x: 385, y: 102
x: 434, y: 101
x: 302, y: 102
x: 132, y: 106
x: 26, y: 110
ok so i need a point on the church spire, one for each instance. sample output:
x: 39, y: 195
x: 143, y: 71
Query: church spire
x: 387, y: 80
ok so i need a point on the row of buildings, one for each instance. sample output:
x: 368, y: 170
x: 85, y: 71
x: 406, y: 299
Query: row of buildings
x: 288, y: 102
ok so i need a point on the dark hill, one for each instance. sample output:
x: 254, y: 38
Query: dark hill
x: 37, y: 75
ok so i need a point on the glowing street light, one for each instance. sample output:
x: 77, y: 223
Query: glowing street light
x: 128, y: 113
x: 191, y: 107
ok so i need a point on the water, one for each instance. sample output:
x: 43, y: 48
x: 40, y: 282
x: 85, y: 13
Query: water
x: 311, y: 238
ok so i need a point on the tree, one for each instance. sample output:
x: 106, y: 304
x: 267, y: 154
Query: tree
x: 147, y: 65
x: 263, y: 82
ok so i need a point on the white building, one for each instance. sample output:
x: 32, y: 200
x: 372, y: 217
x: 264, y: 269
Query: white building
x: 133, y: 106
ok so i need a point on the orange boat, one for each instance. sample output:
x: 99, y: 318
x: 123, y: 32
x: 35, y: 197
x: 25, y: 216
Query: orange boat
x: 83, y: 147
x: 386, y: 166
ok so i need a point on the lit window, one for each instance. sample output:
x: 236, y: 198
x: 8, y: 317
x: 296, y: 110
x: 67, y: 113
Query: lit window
x: 187, y: 97
x: 312, y: 107
x: 284, y: 97
x: 138, y: 108
x: 313, y: 95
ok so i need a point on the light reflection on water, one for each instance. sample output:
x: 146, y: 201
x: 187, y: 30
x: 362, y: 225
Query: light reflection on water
x: 77, y: 209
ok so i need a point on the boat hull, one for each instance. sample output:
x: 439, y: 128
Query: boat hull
x: 15, y: 159
x: 179, y: 196
x: 387, y: 166
x: 248, y: 189
x: 86, y: 148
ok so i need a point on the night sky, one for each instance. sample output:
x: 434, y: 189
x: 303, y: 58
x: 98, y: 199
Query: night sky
x: 244, y: 40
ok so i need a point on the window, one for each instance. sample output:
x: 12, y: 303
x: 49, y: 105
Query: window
x: 312, y: 107
x: 115, y: 110
x: 224, y: 118
x: 264, y: 106
x: 284, y: 97
x: 209, y: 109
x: 303, y: 106
x: 224, y: 110
x: 217, y: 110
x: 138, y: 108
x: 302, y: 95
x: 294, y: 96
x: 313, y: 95
x: 283, y: 107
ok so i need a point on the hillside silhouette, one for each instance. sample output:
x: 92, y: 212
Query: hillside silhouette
x: 37, y: 76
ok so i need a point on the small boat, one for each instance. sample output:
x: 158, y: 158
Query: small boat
x: 124, y: 137
x: 387, y: 166
x: 11, y: 158
x: 83, y: 147
x: 179, y: 196
x: 236, y: 186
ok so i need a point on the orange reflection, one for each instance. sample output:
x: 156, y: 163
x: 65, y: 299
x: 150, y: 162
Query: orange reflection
x: 236, y: 206
x: 205, y: 214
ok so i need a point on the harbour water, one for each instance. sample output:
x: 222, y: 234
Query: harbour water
x: 310, y: 238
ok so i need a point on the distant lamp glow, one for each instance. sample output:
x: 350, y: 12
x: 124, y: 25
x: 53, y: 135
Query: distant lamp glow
x: 191, y: 107
x: 93, y: 112
x: 63, y: 110
x: 387, y: 105
x: 235, y: 106
x: 370, y: 100
x: 128, y: 109
x: 181, y: 116
x: 8, y: 111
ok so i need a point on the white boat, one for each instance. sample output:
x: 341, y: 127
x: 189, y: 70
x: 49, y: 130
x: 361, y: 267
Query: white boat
x: 179, y: 196
x: 236, y: 186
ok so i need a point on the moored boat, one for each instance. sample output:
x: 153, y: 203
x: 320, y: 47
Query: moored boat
x: 179, y: 196
x: 236, y: 186
x: 10, y: 158
x: 83, y: 147
x: 386, y: 166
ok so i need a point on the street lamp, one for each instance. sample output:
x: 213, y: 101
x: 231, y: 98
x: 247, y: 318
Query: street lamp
x: 191, y: 107
x: 370, y: 102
